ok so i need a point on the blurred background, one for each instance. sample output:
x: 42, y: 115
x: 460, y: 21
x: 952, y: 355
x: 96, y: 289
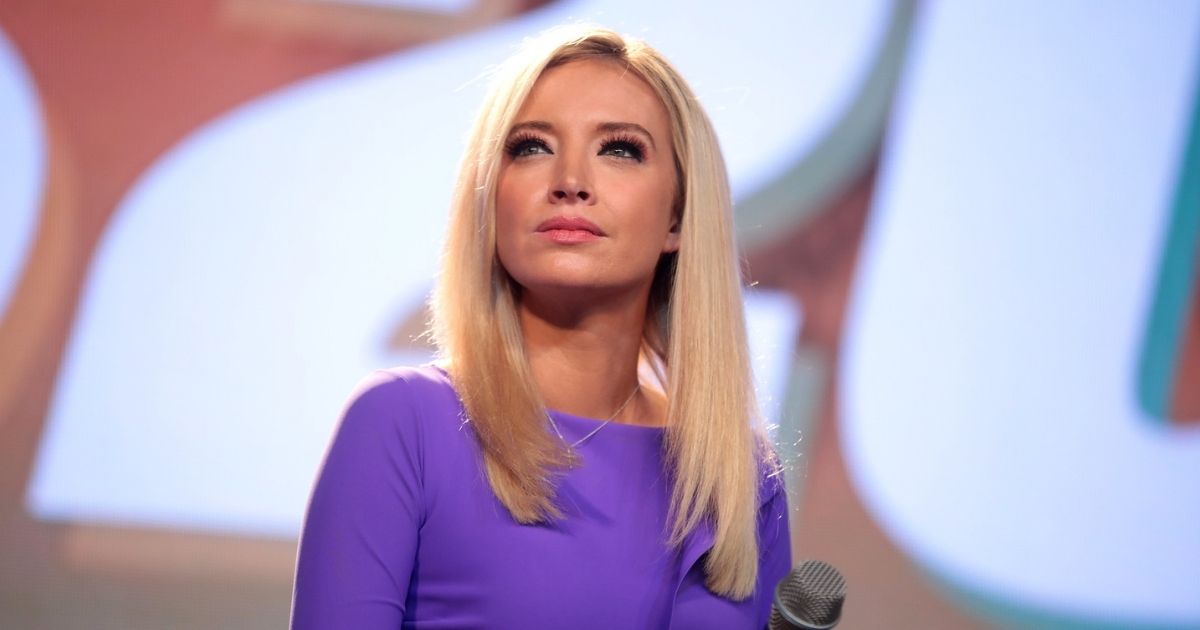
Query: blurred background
x: 970, y: 232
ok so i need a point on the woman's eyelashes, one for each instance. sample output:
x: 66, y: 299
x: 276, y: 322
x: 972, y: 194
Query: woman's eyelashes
x: 628, y: 147
x: 624, y: 147
x: 526, y: 144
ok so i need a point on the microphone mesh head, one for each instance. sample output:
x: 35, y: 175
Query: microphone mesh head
x: 812, y: 595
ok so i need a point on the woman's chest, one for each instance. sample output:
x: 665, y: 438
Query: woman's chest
x: 606, y: 561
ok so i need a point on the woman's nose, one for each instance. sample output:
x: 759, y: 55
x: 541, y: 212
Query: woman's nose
x: 570, y: 193
x: 573, y: 183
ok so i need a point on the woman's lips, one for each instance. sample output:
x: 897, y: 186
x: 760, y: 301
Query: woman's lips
x: 569, y: 230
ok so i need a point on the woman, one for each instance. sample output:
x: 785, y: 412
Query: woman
x: 538, y: 478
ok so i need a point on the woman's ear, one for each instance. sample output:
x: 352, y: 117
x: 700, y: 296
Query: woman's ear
x: 671, y: 243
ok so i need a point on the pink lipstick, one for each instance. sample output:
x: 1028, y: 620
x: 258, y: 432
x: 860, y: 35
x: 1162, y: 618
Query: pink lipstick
x: 569, y: 230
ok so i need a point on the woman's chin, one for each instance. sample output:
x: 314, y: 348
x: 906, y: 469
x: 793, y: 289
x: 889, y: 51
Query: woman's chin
x: 588, y: 288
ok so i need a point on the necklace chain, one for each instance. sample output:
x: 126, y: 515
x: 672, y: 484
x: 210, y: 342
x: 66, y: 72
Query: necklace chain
x: 587, y: 437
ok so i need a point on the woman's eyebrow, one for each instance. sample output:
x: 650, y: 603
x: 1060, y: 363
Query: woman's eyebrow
x: 539, y: 125
x: 611, y: 127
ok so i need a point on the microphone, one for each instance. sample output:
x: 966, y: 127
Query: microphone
x: 809, y: 598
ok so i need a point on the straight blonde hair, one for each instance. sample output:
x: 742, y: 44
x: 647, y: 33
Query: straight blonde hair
x: 695, y: 330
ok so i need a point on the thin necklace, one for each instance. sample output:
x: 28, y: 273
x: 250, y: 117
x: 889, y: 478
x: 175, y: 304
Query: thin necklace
x: 597, y: 429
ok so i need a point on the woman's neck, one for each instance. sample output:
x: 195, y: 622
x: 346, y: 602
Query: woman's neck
x: 585, y: 361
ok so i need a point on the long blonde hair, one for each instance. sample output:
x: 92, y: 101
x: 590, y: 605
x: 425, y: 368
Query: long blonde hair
x: 695, y: 329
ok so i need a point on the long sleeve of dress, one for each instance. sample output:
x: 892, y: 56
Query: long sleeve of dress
x: 775, y: 550
x: 360, y: 531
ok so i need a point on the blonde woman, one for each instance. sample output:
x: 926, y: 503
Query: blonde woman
x: 587, y: 452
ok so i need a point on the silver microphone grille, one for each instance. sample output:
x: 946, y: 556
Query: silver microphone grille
x: 809, y: 597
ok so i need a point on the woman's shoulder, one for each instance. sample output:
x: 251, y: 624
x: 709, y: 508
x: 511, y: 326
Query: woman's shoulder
x: 393, y: 394
x: 428, y: 374
x: 403, y: 383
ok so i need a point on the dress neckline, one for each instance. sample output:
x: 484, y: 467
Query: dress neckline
x: 588, y: 422
x: 585, y: 422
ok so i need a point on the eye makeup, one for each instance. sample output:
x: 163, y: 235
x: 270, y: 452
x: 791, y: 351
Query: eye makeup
x: 526, y: 143
x: 624, y: 146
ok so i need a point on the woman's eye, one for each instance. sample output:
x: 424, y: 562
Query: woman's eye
x: 622, y: 149
x: 526, y: 146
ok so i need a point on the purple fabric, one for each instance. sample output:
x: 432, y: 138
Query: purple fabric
x: 403, y: 531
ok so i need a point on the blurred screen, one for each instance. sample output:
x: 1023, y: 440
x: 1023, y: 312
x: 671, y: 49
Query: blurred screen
x: 970, y: 236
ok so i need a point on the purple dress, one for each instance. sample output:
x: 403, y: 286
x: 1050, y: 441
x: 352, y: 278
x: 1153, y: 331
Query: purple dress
x: 403, y: 531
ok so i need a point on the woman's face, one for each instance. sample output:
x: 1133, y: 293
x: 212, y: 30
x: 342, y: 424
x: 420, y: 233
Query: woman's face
x: 587, y: 183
